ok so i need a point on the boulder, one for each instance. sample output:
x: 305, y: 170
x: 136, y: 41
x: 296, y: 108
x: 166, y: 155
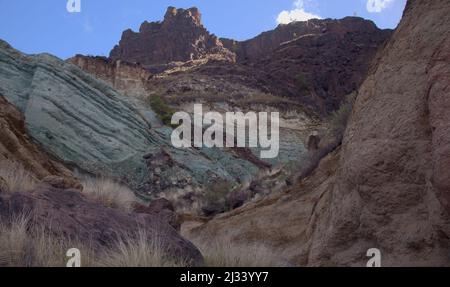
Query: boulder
x: 161, y: 204
x: 68, y: 213
x: 161, y: 208
x: 237, y: 198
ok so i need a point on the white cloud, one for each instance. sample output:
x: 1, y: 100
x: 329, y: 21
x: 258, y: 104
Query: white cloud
x: 376, y: 6
x: 298, y: 13
x: 286, y: 17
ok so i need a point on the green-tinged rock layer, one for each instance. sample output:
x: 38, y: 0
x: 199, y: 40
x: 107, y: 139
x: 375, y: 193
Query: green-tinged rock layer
x: 89, y: 125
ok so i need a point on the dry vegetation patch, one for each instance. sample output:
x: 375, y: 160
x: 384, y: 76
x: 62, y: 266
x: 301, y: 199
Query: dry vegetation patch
x: 222, y: 253
x: 24, y: 245
x: 108, y: 192
x: 16, y: 178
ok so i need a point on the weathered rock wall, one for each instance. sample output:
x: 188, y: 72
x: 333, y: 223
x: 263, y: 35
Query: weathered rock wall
x: 392, y: 188
x: 128, y: 79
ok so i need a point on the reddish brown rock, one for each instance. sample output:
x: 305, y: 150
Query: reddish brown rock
x: 317, y: 62
x: 16, y: 146
x: 261, y: 46
x: 129, y: 79
x: 161, y: 204
x: 161, y: 208
x: 179, y: 37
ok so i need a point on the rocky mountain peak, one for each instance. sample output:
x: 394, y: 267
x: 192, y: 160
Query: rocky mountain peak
x: 180, y: 37
x: 186, y: 16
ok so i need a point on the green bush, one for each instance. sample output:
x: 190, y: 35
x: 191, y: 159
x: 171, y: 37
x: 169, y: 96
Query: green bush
x: 302, y: 83
x: 215, y: 200
x: 163, y: 110
x: 339, y: 119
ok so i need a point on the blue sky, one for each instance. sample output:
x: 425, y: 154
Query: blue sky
x: 47, y: 26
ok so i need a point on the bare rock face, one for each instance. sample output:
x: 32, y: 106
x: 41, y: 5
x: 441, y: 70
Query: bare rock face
x: 179, y: 37
x: 392, y: 191
x: 254, y: 49
x: 317, y: 62
x: 389, y: 188
x: 129, y: 79
x: 67, y: 213
x: 16, y: 146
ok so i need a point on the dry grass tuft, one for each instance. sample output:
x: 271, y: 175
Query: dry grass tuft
x: 13, y: 242
x: 221, y: 253
x: 16, y: 177
x: 139, y: 251
x: 22, y: 245
x: 108, y: 192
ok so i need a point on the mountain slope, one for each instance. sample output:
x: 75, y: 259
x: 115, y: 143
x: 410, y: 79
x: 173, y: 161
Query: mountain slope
x: 89, y: 126
x: 309, y: 65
